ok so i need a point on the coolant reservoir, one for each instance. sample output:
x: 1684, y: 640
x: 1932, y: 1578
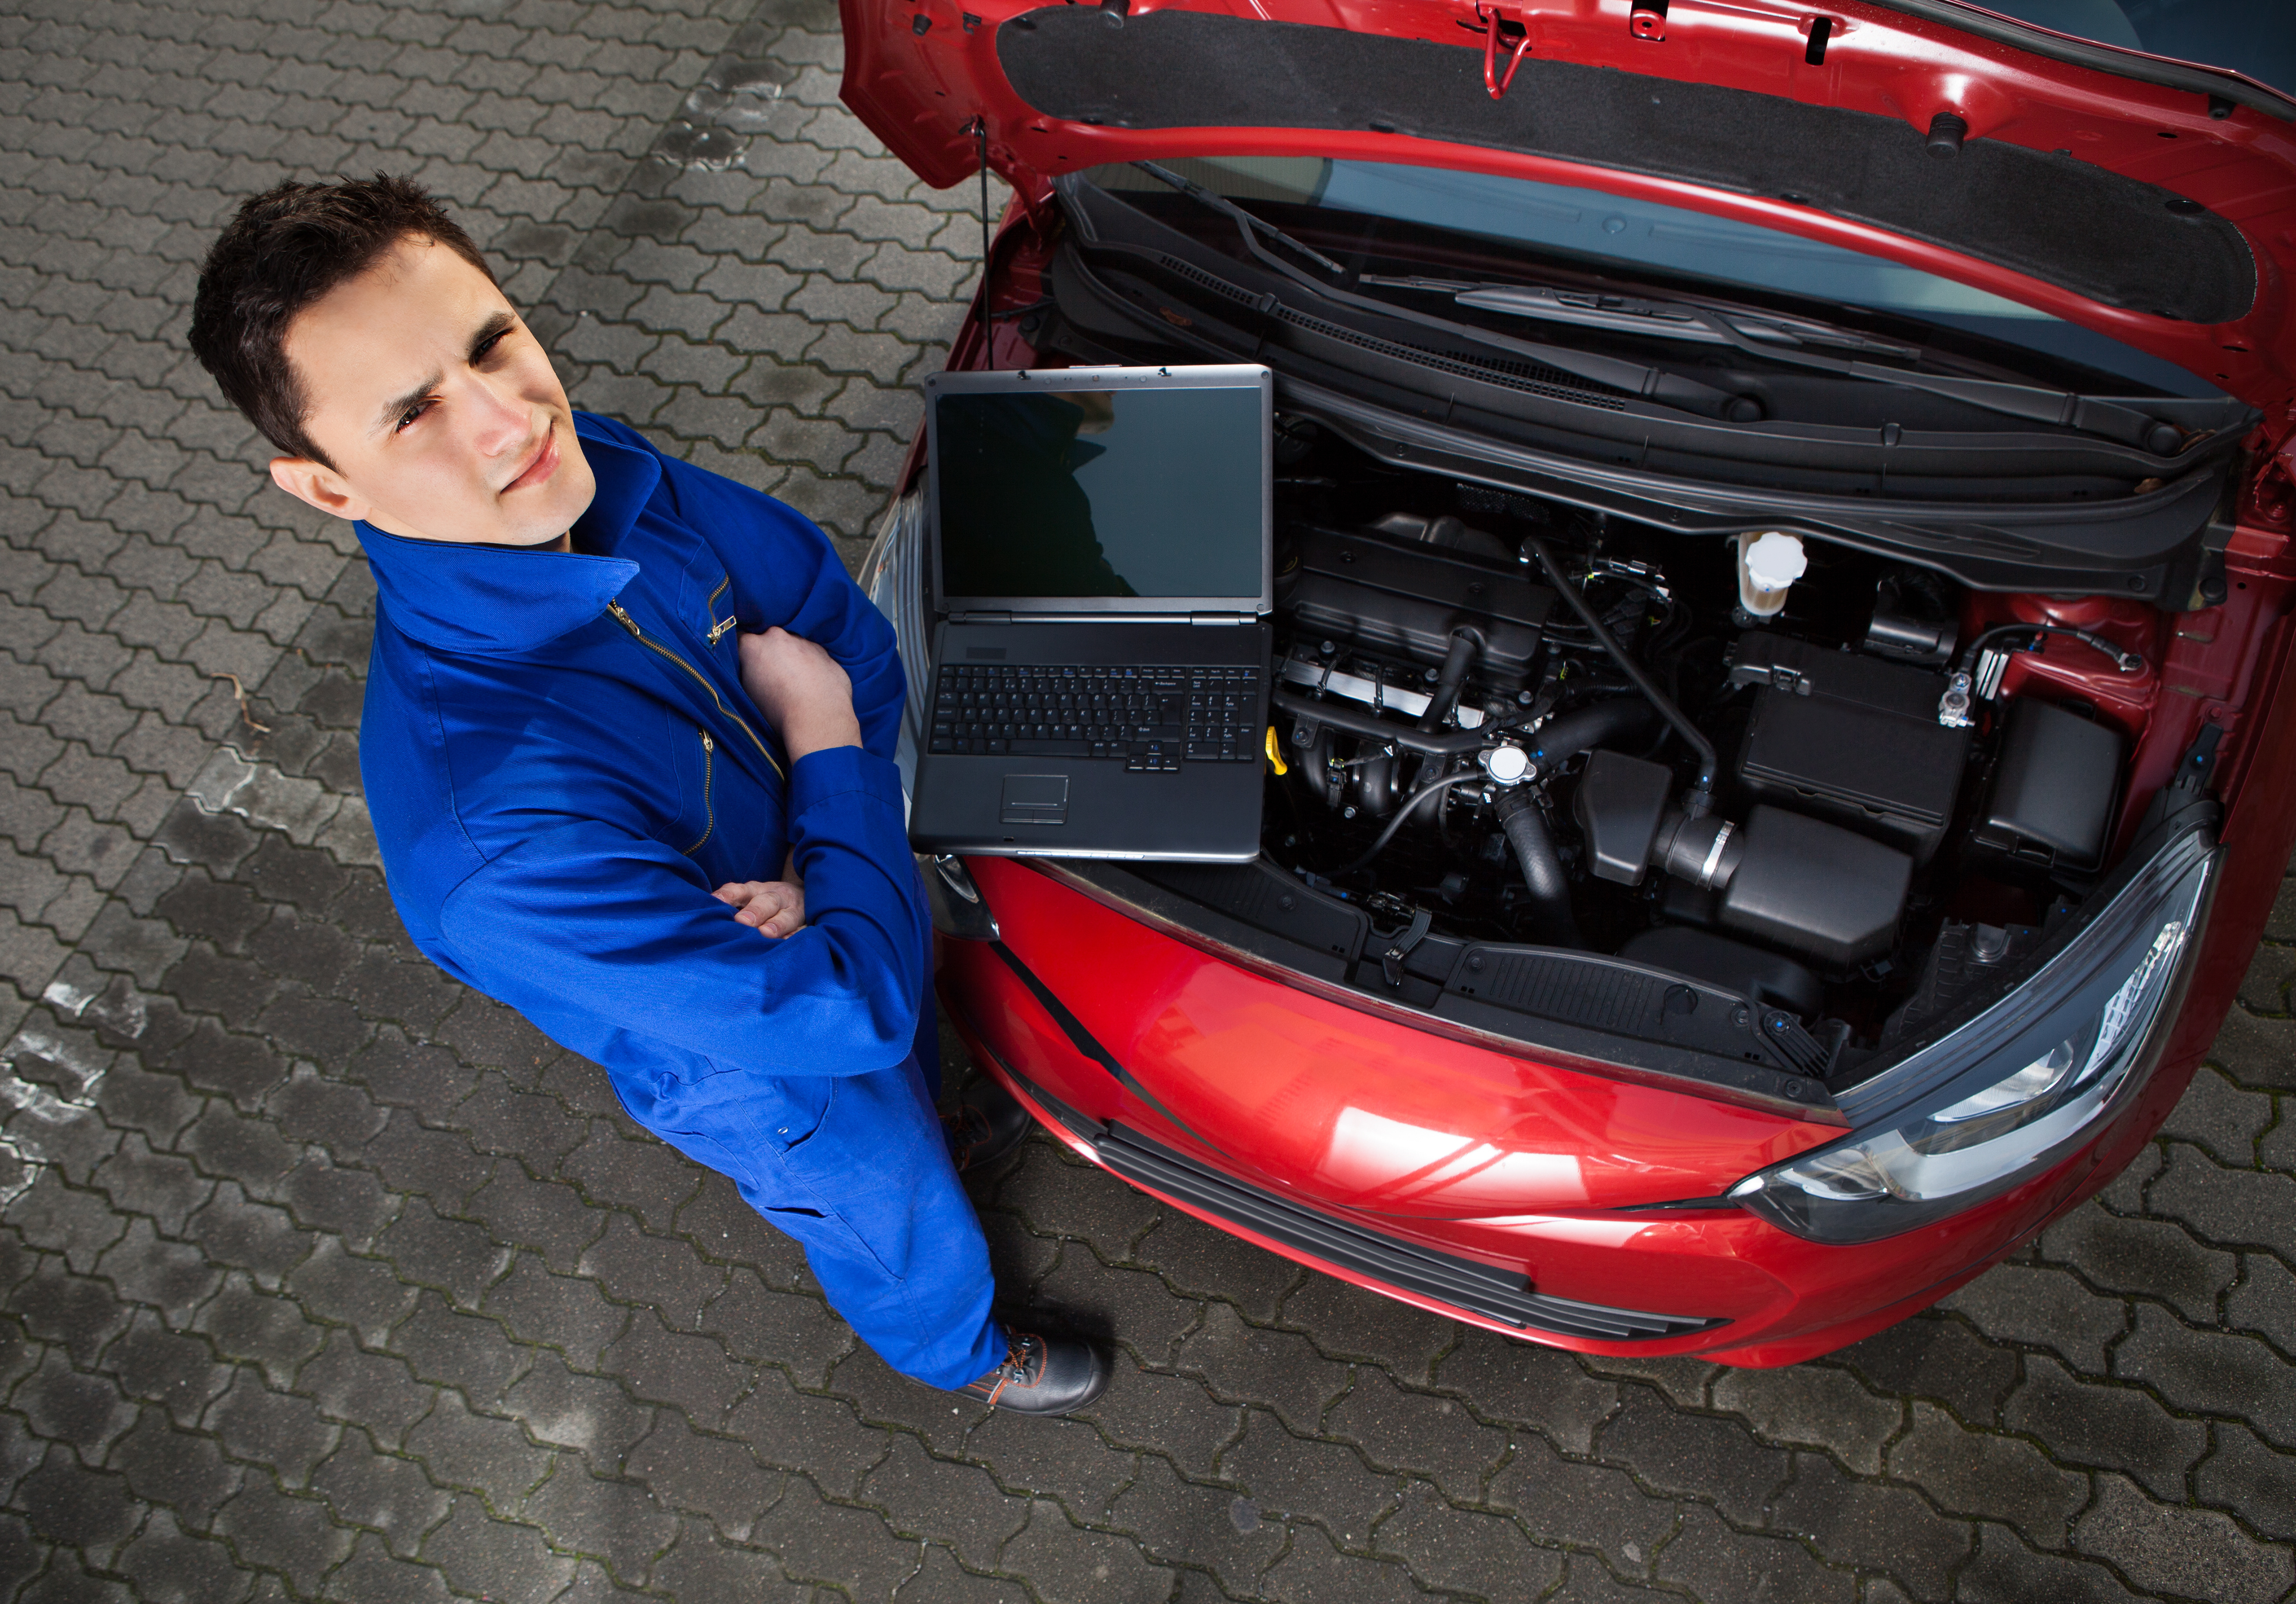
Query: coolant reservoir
x: 1768, y: 566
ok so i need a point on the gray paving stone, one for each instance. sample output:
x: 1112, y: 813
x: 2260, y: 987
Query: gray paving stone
x: 2122, y: 1427
x: 385, y: 1493
x: 1986, y: 1476
x: 284, y: 1433
x: 1814, y: 1407
x: 1714, y: 1561
x: 1399, y: 1430
x: 2047, y: 1308
x: 2144, y: 1258
x: 2255, y: 1482
x: 1878, y: 1528
x: 957, y: 1506
x: 2212, y: 1372
x: 1698, y: 1455
x: 495, y: 1559
x: 1322, y: 1481
x: 2005, y: 1571
x: 2196, y: 1553
x: 1278, y: 1371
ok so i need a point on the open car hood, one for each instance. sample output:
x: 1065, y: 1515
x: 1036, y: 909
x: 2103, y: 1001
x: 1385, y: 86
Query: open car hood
x: 2152, y: 200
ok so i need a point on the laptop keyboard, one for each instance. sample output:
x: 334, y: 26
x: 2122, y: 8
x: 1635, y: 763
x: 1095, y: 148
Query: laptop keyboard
x: 1149, y: 718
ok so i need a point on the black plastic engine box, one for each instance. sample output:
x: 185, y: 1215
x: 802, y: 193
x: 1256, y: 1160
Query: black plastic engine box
x: 1849, y: 736
x: 1815, y: 889
x: 1366, y: 591
x: 2051, y: 796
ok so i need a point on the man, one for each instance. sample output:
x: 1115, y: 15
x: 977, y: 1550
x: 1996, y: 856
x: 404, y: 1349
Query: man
x: 627, y: 745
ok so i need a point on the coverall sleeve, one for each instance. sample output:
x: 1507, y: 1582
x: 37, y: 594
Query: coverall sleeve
x: 786, y: 572
x: 619, y: 926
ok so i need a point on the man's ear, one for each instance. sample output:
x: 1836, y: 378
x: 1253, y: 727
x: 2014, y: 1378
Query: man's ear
x: 318, y: 484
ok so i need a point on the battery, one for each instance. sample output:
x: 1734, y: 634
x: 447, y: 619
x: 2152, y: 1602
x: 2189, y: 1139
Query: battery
x: 1851, y: 737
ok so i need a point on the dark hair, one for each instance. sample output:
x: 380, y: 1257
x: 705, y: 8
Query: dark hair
x: 285, y: 248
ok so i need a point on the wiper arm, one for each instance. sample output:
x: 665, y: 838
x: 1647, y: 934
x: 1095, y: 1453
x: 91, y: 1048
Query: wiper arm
x: 2087, y: 415
x: 1244, y: 219
x: 1652, y: 384
x: 1634, y: 315
x: 1781, y: 339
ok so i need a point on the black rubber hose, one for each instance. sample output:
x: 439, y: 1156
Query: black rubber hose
x: 1708, y: 760
x: 1586, y: 728
x: 1410, y: 805
x: 2128, y: 662
x: 1466, y: 651
x: 1340, y: 716
x: 1542, y: 869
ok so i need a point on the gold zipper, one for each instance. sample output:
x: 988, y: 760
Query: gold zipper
x: 718, y: 629
x: 708, y: 810
x: 623, y: 618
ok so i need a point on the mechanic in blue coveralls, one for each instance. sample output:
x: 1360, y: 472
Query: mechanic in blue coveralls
x: 627, y: 745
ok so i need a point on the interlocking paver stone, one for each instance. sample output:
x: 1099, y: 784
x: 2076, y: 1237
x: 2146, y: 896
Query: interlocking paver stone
x: 335, y: 1281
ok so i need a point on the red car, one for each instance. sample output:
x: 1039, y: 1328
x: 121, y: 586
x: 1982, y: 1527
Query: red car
x: 1782, y: 718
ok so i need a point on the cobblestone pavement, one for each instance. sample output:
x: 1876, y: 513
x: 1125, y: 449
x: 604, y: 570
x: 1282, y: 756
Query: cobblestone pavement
x: 325, y: 1279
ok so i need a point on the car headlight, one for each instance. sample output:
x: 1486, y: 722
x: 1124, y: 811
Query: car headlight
x: 893, y: 576
x: 2044, y: 1065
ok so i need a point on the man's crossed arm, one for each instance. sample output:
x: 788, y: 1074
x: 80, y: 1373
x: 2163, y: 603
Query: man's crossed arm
x: 805, y: 694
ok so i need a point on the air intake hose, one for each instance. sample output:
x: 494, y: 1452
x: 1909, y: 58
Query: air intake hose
x: 1542, y: 870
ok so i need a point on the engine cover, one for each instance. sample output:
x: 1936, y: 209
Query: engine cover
x: 1364, y: 591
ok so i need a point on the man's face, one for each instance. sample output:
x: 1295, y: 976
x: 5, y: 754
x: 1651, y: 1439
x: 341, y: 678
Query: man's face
x: 438, y: 405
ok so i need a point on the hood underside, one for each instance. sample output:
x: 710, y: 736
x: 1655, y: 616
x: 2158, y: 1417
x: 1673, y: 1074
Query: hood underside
x: 2153, y: 211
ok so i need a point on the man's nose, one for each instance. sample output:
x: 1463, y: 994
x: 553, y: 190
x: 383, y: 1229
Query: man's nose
x: 503, y: 421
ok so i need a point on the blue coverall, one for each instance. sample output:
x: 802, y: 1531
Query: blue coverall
x: 562, y: 765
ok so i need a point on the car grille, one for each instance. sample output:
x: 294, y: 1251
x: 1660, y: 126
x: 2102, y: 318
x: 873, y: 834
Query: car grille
x: 1463, y: 1284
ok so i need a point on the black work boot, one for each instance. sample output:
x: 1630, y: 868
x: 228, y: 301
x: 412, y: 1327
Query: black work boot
x: 986, y: 1124
x: 1044, y: 1376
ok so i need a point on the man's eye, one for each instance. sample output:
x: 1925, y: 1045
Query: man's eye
x: 485, y: 347
x: 407, y: 418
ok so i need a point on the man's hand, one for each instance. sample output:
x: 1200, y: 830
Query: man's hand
x: 775, y: 907
x: 802, y: 690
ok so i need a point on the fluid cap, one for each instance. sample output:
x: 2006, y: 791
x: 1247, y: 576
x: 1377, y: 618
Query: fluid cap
x: 1768, y: 566
x: 1776, y: 561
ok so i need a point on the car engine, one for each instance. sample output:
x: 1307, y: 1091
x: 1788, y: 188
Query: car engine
x: 1767, y: 761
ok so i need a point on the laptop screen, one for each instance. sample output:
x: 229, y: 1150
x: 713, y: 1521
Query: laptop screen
x: 1124, y: 492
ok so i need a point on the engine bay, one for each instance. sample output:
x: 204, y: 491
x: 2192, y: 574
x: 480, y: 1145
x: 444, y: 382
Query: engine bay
x: 1832, y: 783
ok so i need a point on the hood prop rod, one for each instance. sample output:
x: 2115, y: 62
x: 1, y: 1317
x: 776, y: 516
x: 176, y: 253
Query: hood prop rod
x: 979, y: 131
x: 1492, y: 81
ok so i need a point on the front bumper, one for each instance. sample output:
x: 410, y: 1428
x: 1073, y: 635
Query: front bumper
x: 1082, y: 1050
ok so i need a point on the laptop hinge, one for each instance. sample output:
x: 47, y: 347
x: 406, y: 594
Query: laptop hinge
x: 1230, y: 618
x: 981, y: 618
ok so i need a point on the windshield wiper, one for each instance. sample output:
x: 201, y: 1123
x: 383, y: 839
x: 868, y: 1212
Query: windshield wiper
x: 1637, y: 379
x: 1633, y: 314
x: 1228, y: 209
x: 1781, y: 339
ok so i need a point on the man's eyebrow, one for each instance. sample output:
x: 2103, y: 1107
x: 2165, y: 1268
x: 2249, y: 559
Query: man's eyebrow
x: 495, y: 326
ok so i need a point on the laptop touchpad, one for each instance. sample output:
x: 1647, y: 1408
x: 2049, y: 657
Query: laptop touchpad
x: 1036, y: 799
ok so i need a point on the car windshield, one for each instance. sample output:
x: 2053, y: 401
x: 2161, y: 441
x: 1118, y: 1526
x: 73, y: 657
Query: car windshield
x: 1606, y: 229
x: 2234, y: 34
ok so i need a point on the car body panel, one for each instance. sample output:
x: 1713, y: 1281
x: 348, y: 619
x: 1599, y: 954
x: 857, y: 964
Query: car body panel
x: 1783, y: 1298
x: 928, y: 78
x: 1301, y: 1085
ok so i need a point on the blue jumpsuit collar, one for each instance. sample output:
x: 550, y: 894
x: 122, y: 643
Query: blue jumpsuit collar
x: 495, y: 599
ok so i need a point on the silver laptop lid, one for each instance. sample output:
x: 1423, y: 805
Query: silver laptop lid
x: 1106, y: 491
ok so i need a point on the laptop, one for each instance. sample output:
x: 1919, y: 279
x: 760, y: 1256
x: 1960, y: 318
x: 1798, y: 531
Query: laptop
x: 1101, y: 542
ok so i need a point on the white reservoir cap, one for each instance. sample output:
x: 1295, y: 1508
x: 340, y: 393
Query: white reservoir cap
x: 1775, y: 560
x: 1768, y: 566
x: 1507, y: 764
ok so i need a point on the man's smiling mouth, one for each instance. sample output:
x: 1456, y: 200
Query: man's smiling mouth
x: 540, y: 466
